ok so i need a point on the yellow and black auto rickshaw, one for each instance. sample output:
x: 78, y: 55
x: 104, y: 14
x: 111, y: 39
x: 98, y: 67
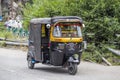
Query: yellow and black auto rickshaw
x: 56, y: 41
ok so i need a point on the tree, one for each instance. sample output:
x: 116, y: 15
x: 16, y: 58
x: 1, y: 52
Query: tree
x: 100, y: 17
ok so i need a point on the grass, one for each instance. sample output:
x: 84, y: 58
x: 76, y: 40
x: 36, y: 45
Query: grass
x: 91, y: 55
x: 5, y: 34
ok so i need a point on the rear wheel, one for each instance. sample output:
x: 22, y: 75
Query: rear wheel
x: 72, y: 68
x: 30, y: 64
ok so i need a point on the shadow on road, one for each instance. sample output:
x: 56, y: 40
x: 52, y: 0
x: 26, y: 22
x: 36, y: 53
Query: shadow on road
x: 52, y: 69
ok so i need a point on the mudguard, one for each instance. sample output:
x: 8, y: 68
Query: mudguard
x: 71, y: 59
x: 31, y: 52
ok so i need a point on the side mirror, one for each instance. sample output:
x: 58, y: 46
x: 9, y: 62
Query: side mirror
x: 48, y: 26
x: 84, y: 46
x: 83, y: 25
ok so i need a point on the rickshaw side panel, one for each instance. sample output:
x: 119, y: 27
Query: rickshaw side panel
x: 35, y: 38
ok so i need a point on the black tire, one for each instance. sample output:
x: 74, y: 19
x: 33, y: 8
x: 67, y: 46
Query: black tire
x: 72, y: 68
x: 30, y: 64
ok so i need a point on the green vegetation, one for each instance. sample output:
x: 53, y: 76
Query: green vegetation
x: 95, y: 54
x: 4, y: 33
x: 100, y: 17
x: 12, y: 33
x: 2, y: 29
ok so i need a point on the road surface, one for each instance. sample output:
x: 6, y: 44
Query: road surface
x: 13, y: 66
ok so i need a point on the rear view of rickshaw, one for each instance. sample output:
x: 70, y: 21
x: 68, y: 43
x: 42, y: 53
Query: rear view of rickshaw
x: 56, y: 41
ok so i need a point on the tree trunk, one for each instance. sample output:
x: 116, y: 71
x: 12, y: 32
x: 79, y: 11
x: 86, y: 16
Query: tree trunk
x: 0, y: 9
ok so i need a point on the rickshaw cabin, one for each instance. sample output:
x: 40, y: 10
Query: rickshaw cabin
x: 39, y: 34
x: 49, y: 45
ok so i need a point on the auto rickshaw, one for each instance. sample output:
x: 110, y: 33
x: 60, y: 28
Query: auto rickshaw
x: 56, y: 41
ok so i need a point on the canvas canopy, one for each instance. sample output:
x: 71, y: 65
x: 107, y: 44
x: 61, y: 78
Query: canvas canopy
x: 60, y: 18
x: 54, y: 19
x: 41, y: 20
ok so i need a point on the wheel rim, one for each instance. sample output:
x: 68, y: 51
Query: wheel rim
x: 72, y: 69
x: 30, y: 64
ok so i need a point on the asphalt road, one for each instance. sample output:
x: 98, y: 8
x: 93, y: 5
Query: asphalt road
x: 13, y: 66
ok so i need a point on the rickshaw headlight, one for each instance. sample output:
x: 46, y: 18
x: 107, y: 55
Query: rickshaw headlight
x: 76, y: 56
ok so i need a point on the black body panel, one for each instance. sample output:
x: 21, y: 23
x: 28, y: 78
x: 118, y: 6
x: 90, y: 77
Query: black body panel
x: 60, y: 52
x: 35, y: 38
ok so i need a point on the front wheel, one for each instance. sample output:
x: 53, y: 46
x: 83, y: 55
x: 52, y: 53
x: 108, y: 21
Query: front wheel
x: 30, y: 64
x: 72, y: 68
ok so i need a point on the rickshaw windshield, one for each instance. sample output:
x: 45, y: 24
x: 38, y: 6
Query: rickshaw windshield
x: 67, y: 29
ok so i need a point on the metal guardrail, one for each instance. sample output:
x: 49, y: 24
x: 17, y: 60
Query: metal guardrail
x: 4, y: 39
x: 117, y: 52
x: 16, y: 43
x: 13, y: 42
